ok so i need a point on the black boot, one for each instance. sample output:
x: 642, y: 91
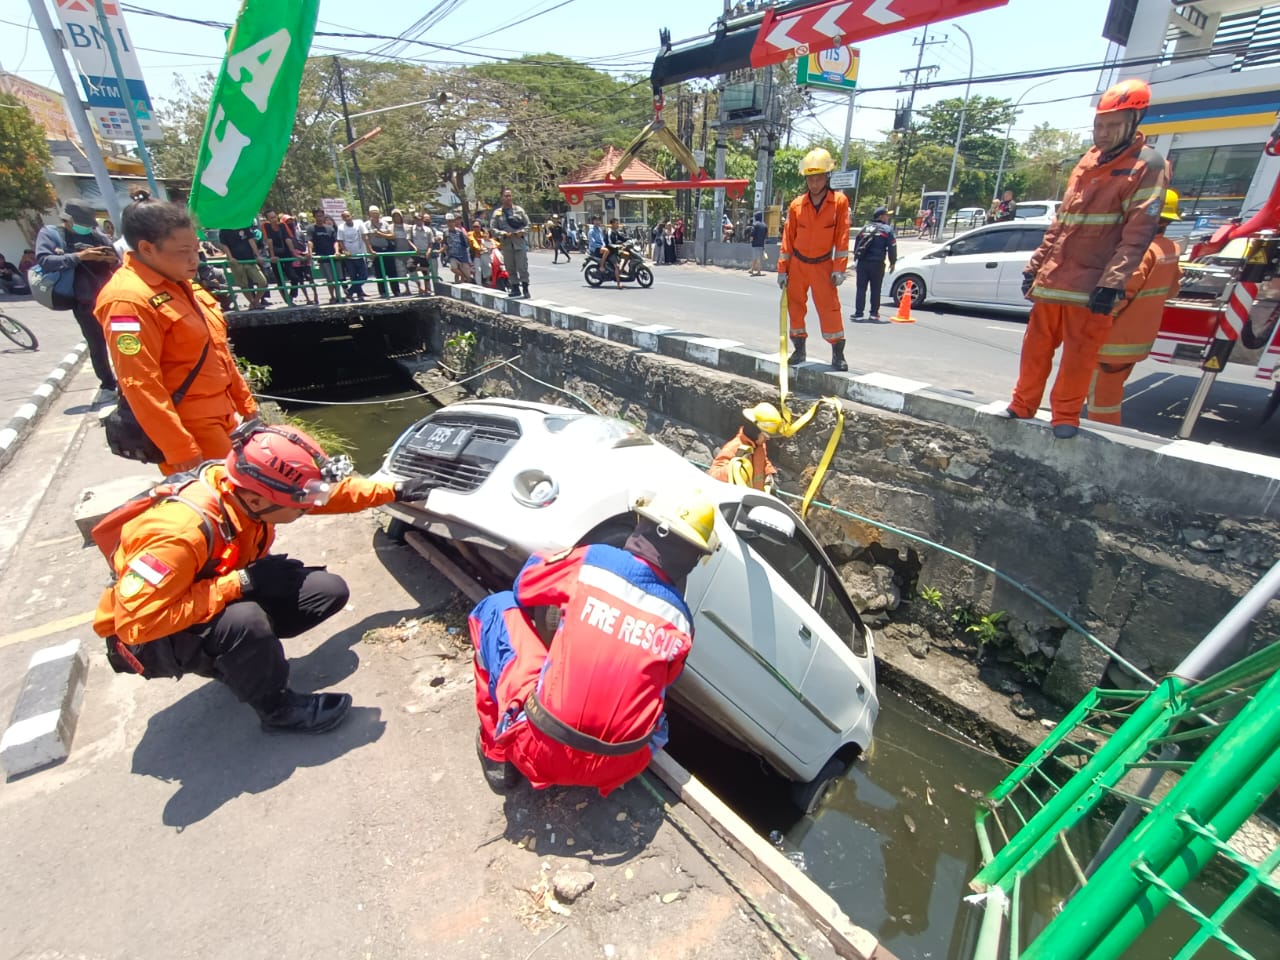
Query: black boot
x: 526, y: 291
x: 837, y: 355
x: 501, y: 776
x: 290, y: 712
x: 797, y: 355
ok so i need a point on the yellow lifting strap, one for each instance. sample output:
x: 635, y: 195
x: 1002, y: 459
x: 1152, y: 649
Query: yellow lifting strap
x: 791, y: 427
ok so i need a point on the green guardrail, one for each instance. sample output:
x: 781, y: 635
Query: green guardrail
x: 338, y: 276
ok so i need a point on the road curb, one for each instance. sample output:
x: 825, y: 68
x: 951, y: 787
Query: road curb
x: 21, y: 422
x: 44, y: 718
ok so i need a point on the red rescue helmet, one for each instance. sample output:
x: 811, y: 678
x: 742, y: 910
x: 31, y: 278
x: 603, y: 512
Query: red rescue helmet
x: 284, y: 465
x: 1126, y: 95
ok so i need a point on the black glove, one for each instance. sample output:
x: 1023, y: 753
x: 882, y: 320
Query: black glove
x: 1028, y: 281
x: 411, y: 490
x: 1103, y: 300
x: 274, y: 577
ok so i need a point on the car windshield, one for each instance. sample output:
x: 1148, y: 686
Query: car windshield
x: 592, y: 430
x: 1025, y: 210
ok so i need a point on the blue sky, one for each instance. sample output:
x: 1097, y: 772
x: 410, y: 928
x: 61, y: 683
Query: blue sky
x: 1018, y: 36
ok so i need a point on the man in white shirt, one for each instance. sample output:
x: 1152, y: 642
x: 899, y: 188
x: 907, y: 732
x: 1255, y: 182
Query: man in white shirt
x: 379, y: 239
x: 352, y: 249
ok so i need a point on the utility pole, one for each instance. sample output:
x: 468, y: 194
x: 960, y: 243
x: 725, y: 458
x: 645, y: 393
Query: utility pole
x: 904, y: 144
x: 351, y: 134
x: 53, y: 43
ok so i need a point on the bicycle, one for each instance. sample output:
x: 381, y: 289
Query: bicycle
x: 18, y: 333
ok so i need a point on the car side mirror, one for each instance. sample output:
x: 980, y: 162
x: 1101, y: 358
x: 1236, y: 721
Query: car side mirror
x: 767, y: 523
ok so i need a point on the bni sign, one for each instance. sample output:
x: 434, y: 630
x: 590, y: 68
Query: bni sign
x: 835, y: 69
x: 83, y: 35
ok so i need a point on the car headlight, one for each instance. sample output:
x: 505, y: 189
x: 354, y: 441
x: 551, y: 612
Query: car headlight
x: 534, y: 489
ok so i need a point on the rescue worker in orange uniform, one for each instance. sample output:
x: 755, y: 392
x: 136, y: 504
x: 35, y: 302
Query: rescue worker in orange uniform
x: 1134, y: 329
x: 815, y: 255
x: 744, y: 460
x: 157, y: 324
x: 1108, y: 216
x: 198, y: 591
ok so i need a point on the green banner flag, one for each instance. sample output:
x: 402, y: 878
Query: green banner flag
x: 251, y: 114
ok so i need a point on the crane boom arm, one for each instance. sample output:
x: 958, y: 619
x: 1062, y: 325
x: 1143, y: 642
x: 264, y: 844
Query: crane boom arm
x: 797, y: 29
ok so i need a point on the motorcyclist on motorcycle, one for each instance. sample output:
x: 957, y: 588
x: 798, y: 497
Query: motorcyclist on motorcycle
x: 597, y: 246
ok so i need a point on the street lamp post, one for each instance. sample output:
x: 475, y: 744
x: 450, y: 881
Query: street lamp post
x: 955, y: 154
x: 439, y: 99
x: 1004, y: 152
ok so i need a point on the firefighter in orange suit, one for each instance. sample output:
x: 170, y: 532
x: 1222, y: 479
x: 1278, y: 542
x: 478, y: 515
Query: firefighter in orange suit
x: 744, y: 460
x: 1133, y: 332
x: 1107, y: 219
x: 198, y: 591
x: 814, y: 256
x: 157, y: 323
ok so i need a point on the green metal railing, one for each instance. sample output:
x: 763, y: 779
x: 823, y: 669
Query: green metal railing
x: 1216, y: 740
x: 315, y: 273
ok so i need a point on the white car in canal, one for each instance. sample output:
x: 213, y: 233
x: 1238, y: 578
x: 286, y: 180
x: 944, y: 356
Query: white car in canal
x: 782, y: 665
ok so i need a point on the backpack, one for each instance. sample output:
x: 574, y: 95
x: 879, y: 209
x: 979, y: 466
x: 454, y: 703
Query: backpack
x: 863, y: 240
x: 54, y: 290
x: 107, y: 532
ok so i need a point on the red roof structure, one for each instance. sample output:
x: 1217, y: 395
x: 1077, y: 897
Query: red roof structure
x: 637, y: 171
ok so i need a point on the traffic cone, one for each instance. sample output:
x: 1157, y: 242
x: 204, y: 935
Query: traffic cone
x: 904, y: 307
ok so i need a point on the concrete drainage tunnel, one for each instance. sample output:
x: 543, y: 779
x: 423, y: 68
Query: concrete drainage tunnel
x: 971, y: 671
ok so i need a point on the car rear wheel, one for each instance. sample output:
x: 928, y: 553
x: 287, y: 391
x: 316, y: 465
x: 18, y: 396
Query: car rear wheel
x: 807, y: 797
x: 397, y: 528
x: 918, y: 289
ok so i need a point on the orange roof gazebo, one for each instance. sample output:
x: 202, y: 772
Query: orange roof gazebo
x: 637, y: 170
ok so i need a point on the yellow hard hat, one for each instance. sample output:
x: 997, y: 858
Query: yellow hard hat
x: 692, y: 518
x: 817, y: 160
x: 765, y: 416
x: 1170, y: 211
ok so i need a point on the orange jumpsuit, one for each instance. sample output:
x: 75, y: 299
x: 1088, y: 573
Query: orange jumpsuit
x: 163, y: 553
x: 155, y: 331
x: 753, y: 453
x: 815, y: 244
x: 1107, y: 219
x: 1134, y: 329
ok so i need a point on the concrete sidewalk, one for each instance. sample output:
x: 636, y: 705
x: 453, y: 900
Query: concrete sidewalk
x: 31, y: 379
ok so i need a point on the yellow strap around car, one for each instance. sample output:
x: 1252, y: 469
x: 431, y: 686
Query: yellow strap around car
x: 789, y: 427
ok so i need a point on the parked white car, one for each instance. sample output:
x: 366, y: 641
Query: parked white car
x: 968, y: 217
x: 981, y: 268
x: 1036, y: 209
x: 782, y: 664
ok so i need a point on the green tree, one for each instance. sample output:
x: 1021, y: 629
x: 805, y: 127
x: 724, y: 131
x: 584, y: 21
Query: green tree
x: 928, y: 169
x: 985, y: 121
x: 1049, y: 155
x: 24, y: 158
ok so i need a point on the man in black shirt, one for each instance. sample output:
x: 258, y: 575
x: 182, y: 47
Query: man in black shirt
x: 323, y: 236
x: 242, y: 256
x: 758, y: 234
x: 873, y: 243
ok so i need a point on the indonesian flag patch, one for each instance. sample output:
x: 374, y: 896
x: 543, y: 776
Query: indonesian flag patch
x: 150, y: 569
x: 125, y: 325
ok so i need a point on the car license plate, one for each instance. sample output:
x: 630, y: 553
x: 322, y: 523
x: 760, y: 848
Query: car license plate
x: 443, y: 443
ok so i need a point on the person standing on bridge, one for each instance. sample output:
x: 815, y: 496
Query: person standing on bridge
x: 168, y: 339
x: 815, y: 255
x: 874, y: 242
x: 1108, y: 217
x: 1133, y: 332
x: 509, y: 225
x: 588, y: 710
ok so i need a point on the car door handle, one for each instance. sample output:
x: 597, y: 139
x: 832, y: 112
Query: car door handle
x: 991, y: 266
x: 806, y: 634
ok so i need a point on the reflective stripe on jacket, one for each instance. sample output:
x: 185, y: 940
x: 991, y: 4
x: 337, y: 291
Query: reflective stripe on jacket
x: 1106, y: 221
x: 817, y: 232
x: 163, y: 551
x: 1134, y: 329
x: 156, y: 330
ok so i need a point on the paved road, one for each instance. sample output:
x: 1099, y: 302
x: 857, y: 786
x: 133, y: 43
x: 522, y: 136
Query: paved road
x: 973, y: 354
x: 21, y: 371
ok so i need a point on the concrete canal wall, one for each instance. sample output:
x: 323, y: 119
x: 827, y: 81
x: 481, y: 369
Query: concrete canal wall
x: 1144, y: 542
